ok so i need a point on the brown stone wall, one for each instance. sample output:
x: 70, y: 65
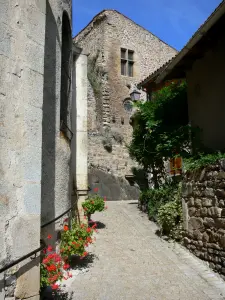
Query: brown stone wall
x: 204, y: 214
x: 107, y: 34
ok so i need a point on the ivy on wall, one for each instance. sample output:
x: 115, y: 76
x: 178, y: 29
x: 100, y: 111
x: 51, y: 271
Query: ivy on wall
x: 95, y: 74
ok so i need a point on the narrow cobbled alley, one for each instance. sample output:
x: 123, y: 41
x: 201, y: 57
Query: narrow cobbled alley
x: 131, y: 262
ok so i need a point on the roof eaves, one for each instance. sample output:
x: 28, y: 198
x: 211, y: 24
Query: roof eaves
x: 210, y: 21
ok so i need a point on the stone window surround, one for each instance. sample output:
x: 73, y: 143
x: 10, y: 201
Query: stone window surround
x: 127, y: 62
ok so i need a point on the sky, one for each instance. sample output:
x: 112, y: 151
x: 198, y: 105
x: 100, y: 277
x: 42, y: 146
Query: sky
x: 173, y: 21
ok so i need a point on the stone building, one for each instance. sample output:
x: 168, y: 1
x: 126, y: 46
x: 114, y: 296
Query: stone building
x: 40, y: 124
x: 120, y: 55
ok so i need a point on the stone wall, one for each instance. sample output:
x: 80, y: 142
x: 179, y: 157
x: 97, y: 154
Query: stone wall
x: 104, y: 36
x: 204, y: 214
x: 34, y: 155
x: 56, y: 148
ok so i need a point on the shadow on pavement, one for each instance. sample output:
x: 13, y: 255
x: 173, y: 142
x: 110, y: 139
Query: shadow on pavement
x: 99, y: 224
x: 49, y: 294
x: 136, y: 203
x: 80, y: 264
x: 63, y: 295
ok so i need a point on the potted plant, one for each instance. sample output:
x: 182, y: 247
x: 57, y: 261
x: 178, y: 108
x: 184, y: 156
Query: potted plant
x: 75, y: 239
x: 92, y: 204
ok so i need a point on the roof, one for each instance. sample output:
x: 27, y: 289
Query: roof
x: 116, y: 11
x: 201, y: 37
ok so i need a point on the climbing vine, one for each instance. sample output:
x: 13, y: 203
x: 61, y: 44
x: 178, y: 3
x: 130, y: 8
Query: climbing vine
x: 95, y: 74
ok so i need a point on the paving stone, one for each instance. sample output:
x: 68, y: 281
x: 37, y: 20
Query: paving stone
x: 131, y: 262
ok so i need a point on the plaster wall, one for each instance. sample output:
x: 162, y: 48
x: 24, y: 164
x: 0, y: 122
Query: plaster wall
x: 22, y: 46
x: 206, y: 96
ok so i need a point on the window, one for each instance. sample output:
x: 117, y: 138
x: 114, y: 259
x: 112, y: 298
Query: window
x: 127, y: 62
x: 65, y: 93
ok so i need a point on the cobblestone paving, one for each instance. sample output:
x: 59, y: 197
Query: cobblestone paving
x: 133, y: 263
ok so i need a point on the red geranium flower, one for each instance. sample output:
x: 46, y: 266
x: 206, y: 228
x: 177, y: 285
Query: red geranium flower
x: 54, y: 286
x: 66, y: 266
x: 49, y: 249
x: 49, y: 236
x: 85, y: 253
x: 66, y: 228
x: 51, y: 268
x: 45, y: 261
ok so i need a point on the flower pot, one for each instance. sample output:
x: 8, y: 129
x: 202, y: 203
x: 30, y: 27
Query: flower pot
x: 46, y: 293
x: 89, y: 218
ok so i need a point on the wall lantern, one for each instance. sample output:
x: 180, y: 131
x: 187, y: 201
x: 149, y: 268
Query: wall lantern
x: 135, y: 95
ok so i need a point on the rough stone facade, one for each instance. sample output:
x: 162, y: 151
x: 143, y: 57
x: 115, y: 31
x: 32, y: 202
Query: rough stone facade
x: 204, y: 214
x: 108, y: 121
x: 35, y: 161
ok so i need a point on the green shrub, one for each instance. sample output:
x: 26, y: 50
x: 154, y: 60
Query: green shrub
x: 170, y: 217
x: 154, y: 198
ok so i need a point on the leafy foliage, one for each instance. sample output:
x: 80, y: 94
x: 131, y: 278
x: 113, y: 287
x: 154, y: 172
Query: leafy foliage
x: 75, y: 240
x: 202, y: 160
x: 161, y: 131
x: 92, y: 204
x: 51, y: 269
x: 154, y: 198
x: 170, y: 217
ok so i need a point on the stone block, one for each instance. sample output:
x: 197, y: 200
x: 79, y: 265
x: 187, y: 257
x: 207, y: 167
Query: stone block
x: 222, y: 241
x: 215, y: 212
x: 220, y: 193
x: 186, y: 241
x: 187, y: 189
x: 202, y: 176
x: 206, y: 202
x: 195, y: 223
x: 205, y: 237
x: 198, y: 202
x: 212, y: 265
x: 203, y: 212
x: 197, y: 235
x: 220, y: 223
x: 191, y: 211
x: 191, y: 202
x: 27, y: 284
x: 221, y: 203
x: 209, y: 192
